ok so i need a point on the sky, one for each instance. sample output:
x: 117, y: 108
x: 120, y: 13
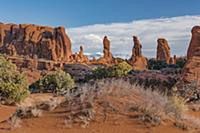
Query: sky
x: 87, y: 21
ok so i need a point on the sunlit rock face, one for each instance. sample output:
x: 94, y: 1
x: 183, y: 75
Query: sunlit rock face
x: 163, y: 50
x: 107, y: 55
x: 137, y: 60
x: 35, y: 41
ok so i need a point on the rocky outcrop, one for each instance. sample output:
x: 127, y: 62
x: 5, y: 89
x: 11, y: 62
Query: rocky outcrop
x: 175, y: 59
x: 33, y: 40
x: 79, y: 57
x: 191, y: 71
x: 163, y: 50
x: 137, y: 60
x: 194, y: 47
x: 172, y: 60
x: 107, y: 55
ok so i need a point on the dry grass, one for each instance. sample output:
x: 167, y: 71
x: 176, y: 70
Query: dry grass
x: 49, y: 105
x: 121, y: 97
x: 22, y: 112
x: 189, y: 123
x: 117, y: 97
x: 31, y: 111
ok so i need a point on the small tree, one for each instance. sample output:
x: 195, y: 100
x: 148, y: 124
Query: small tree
x: 13, y: 84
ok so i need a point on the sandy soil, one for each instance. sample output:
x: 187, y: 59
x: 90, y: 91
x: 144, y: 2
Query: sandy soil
x: 53, y: 122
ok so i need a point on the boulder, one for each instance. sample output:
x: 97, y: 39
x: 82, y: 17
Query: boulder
x: 137, y: 60
x: 33, y: 40
x: 163, y: 50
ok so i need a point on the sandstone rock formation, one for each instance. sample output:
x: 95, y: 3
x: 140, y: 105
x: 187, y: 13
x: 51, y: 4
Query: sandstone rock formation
x: 79, y: 57
x: 175, y: 59
x: 107, y: 55
x: 33, y: 40
x: 163, y: 50
x: 191, y: 71
x: 172, y: 60
x: 138, y: 61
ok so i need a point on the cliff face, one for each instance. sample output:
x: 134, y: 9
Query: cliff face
x: 35, y: 41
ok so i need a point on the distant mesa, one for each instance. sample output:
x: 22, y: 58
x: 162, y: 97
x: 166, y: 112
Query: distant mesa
x: 35, y: 41
x: 137, y: 60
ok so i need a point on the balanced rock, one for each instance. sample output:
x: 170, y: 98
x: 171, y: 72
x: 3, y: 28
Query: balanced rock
x: 107, y: 55
x: 163, y: 50
x: 137, y: 60
x: 33, y: 40
x: 191, y: 71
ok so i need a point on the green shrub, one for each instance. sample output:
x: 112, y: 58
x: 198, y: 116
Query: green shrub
x: 13, y: 85
x: 118, y: 70
x: 181, y: 62
x: 100, y: 73
x: 154, y: 64
x: 57, y: 82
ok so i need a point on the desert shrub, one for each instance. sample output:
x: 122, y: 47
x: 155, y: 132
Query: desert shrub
x: 189, y: 123
x: 158, y: 84
x: 13, y: 84
x: 181, y: 62
x: 100, y: 73
x: 190, y: 92
x: 118, y: 70
x: 57, y: 82
x: 154, y: 64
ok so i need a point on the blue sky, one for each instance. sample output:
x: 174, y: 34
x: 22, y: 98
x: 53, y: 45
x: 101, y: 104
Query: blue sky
x: 73, y: 13
x: 87, y: 21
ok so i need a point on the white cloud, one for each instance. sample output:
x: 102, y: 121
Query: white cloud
x: 176, y: 30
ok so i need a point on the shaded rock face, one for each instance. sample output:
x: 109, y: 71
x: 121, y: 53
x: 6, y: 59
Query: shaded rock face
x: 33, y: 40
x: 79, y: 57
x: 107, y: 55
x: 191, y: 70
x: 137, y: 60
x: 163, y: 50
